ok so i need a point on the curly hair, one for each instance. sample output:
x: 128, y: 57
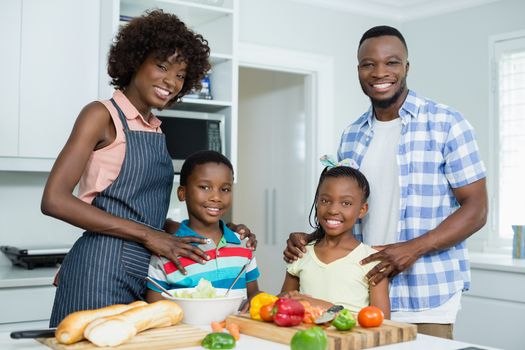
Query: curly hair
x: 161, y: 34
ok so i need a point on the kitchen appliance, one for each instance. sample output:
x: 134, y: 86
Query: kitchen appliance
x: 31, y: 257
x: 189, y: 132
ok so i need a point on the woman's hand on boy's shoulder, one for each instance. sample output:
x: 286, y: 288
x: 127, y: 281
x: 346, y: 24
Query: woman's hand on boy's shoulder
x: 244, y: 232
x: 295, y: 246
x: 172, y: 247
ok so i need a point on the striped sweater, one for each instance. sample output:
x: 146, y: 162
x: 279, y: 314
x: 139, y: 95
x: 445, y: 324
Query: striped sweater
x: 226, y: 260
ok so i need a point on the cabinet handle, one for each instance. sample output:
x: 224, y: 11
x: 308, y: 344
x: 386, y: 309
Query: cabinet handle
x: 274, y: 217
x: 266, y: 215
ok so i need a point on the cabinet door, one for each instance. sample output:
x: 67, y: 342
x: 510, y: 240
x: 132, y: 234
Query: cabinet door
x: 59, y: 71
x: 10, y: 21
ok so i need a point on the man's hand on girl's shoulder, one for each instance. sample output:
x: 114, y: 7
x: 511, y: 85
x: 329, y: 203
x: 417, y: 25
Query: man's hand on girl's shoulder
x: 295, y: 246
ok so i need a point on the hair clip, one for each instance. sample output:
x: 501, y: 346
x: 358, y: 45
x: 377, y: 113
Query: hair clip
x: 330, y: 162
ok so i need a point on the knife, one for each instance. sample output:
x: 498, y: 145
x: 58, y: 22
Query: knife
x: 329, y: 314
x: 33, y: 333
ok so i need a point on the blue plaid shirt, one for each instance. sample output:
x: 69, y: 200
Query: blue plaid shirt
x: 437, y: 152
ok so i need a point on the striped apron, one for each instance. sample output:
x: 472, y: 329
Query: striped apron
x: 102, y: 270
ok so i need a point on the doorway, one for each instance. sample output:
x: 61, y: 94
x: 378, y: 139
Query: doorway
x: 273, y: 192
x: 282, y: 95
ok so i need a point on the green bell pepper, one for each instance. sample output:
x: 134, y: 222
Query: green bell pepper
x: 314, y: 338
x: 218, y: 341
x: 344, y: 320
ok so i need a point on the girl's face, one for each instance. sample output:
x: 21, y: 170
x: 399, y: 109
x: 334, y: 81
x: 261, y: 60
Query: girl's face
x: 339, y: 205
x: 157, y: 81
x: 208, y: 192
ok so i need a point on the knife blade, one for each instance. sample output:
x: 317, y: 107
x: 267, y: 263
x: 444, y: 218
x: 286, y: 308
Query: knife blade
x: 329, y: 314
x: 33, y: 333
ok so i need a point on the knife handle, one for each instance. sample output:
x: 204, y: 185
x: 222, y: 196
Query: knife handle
x: 33, y: 333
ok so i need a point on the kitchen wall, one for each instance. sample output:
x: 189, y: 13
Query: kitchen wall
x: 314, y: 30
x: 449, y: 57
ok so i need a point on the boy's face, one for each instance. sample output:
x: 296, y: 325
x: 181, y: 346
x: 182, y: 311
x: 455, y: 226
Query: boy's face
x: 208, y: 192
x: 339, y: 205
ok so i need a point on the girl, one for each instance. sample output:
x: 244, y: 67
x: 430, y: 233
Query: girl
x: 329, y: 273
x: 117, y: 154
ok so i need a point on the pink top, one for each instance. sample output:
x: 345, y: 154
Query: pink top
x: 104, y: 164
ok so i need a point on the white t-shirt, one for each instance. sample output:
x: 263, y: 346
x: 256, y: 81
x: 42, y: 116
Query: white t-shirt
x: 380, y: 225
x: 380, y: 167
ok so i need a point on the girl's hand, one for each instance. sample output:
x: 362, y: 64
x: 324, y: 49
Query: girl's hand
x: 305, y: 297
x: 244, y: 232
x: 172, y: 248
x: 295, y: 246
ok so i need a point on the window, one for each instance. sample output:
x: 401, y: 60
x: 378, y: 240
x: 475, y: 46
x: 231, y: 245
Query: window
x: 508, y: 139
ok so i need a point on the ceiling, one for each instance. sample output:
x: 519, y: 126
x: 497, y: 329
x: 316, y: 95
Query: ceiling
x: 400, y: 10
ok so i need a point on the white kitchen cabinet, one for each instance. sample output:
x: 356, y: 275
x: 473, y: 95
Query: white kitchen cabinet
x: 26, y: 295
x: 10, y: 22
x: 52, y: 70
x: 492, y: 310
x: 216, y: 21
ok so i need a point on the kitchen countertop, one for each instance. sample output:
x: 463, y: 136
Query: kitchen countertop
x: 246, y: 343
x: 16, y: 276
x: 496, y: 262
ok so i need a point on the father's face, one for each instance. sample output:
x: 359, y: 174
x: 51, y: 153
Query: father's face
x: 383, y: 69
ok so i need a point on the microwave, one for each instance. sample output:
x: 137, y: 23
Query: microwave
x: 189, y: 132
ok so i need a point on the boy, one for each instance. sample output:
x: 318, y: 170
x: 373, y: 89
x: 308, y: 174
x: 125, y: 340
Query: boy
x: 206, y: 182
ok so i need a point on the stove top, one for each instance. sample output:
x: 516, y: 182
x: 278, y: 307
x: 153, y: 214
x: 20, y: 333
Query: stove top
x: 31, y: 257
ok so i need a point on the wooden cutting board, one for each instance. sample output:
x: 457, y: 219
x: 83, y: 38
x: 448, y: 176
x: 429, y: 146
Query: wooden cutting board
x: 174, y: 337
x: 358, y: 338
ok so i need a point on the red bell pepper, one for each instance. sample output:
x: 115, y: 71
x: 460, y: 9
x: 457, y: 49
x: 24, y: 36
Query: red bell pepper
x: 288, y: 312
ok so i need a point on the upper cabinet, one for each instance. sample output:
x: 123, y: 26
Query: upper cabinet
x: 50, y: 71
x: 55, y: 62
x: 10, y: 22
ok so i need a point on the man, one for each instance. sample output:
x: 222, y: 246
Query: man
x: 428, y: 191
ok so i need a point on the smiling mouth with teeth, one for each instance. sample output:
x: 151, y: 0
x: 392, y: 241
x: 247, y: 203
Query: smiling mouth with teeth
x: 382, y: 85
x: 162, y: 92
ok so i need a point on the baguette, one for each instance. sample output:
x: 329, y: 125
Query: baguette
x: 71, y: 329
x: 117, y: 329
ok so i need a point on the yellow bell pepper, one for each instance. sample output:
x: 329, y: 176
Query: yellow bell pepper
x: 259, y: 301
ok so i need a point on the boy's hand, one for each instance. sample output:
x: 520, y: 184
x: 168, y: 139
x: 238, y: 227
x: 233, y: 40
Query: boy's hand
x: 244, y: 232
x: 295, y: 246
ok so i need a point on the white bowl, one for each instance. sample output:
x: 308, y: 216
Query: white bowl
x: 203, y: 311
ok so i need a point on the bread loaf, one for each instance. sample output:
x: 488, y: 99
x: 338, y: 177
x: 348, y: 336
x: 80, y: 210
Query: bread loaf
x: 115, y: 330
x: 71, y: 329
